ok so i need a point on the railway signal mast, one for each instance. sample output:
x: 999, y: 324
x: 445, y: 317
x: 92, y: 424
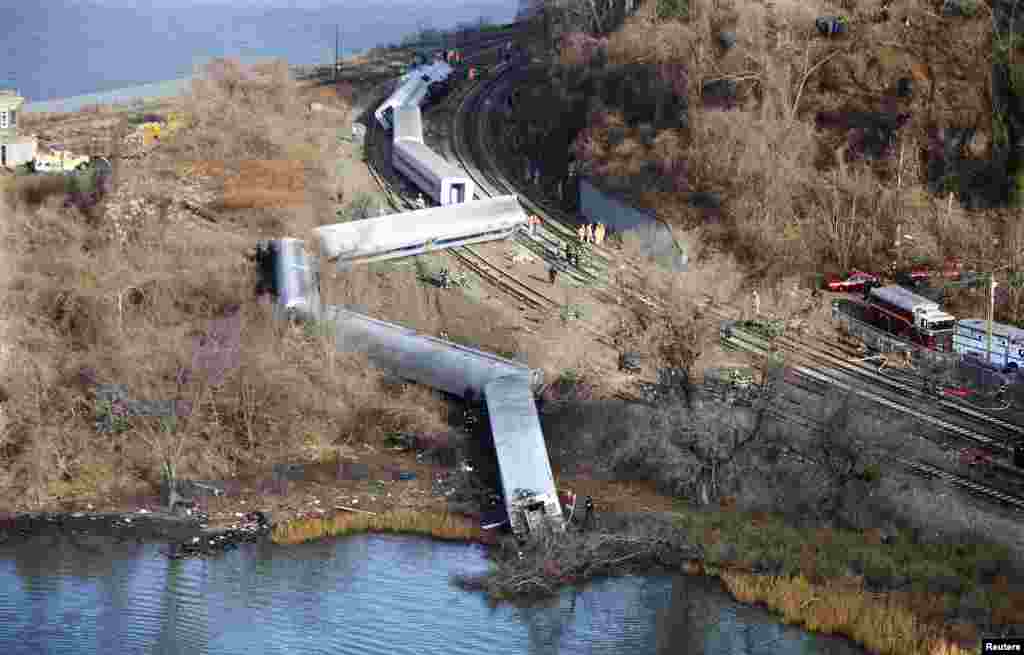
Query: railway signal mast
x: 991, y: 313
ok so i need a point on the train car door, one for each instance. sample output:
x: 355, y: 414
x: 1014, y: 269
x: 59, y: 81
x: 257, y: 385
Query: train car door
x: 456, y: 194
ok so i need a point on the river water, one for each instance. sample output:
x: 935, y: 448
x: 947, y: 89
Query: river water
x: 365, y: 594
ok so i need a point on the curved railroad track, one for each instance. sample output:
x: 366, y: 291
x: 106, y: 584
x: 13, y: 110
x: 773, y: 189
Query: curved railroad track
x: 402, y: 201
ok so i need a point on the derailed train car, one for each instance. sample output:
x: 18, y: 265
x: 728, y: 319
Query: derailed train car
x: 423, y: 230
x: 414, y: 88
x: 411, y: 92
x: 444, y: 182
x: 531, y: 499
x: 507, y: 387
x: 290, y: 275
x: 408, y: 124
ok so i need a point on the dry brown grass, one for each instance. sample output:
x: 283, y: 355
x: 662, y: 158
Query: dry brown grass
x: 439, y: 526
x: 797, y: 198
x: 884, y: 624
x: 265, y: 183
x: 117, y: 296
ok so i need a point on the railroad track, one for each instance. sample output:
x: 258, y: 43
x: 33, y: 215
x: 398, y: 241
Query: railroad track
x: 1011, y: 476
x: 466, y: 255
x: 555, y: 220
x: 958, y: 433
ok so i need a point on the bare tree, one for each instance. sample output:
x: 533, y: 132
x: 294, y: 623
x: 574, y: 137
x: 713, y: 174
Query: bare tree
x: 836, y: 452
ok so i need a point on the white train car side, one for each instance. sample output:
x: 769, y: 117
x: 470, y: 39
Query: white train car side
x: 421, y: 358
x: 970, y: 340
x: 423, y: 230
x: 446, y: 183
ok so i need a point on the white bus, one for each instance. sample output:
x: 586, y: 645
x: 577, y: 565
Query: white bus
x: 970, y: 341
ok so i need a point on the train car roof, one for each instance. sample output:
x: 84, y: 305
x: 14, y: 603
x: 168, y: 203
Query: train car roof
x: 518, y: 438
x: 902, y: 297
x: 408, y: 123
x: 437, y: 164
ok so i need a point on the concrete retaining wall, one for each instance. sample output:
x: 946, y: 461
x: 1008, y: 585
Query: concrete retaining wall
x: 656, y: 238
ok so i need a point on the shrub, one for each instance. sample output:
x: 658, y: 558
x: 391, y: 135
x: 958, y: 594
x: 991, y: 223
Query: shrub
x: 673, y: 9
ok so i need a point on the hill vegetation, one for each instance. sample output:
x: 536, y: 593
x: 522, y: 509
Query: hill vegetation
x: 824, y: 150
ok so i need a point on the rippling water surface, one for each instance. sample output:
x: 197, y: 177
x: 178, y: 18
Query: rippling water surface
x: 358, y: 595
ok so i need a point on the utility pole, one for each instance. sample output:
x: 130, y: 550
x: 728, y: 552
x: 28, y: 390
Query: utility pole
x: 337, y: 50
x: 991, y: 312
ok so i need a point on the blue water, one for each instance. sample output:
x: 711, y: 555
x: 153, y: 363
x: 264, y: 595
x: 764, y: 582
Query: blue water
x: 64, y: 48
x: 375, y: 595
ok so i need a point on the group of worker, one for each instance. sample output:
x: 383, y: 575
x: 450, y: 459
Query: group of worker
x: 570, y: 504
x: 591, y: 233
x: 453, y: 56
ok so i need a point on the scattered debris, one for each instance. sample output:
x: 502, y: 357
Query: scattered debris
x: 832, y: 25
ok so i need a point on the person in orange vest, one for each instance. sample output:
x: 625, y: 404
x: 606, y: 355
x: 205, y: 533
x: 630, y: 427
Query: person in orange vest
x: 590, y: 233
x: 472, y: 73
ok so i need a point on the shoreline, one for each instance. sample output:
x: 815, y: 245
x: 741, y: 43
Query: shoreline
x: 148, y: 91
x: 880, y: 618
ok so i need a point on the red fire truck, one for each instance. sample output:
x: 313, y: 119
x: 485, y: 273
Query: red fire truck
x: 899, y: 311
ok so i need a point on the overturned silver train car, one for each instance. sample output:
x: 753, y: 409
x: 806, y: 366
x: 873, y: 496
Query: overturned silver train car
x: 531, y: 499
x: 290, y: 275
x: 507, y: 387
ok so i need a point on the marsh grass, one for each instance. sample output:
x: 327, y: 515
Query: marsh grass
x: 834, y: 553
x: 439, y: 526
x: 885, y: 624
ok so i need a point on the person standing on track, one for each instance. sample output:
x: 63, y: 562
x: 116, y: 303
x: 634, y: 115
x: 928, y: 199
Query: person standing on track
x: 552, y: 273
x: 599, y: 234
x: 588, y: 513
x: 581, y: 232
x: 590, y: 233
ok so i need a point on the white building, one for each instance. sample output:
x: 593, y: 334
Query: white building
x: 14, y: 149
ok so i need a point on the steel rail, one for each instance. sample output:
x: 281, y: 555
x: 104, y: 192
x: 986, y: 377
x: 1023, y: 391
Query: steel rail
x: 466, y: 255
x: 749, y: 342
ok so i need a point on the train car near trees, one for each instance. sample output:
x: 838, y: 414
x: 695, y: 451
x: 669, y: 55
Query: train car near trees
x: 970, y: 340
x: 902, y: 312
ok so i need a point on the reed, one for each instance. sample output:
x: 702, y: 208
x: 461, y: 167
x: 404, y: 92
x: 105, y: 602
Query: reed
x: 880, y: 622
x: 445, y: 526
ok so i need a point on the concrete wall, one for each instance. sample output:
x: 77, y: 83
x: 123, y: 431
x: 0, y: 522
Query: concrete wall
x: 657, y: 239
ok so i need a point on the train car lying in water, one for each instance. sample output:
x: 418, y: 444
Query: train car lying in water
x: 531, y: 498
